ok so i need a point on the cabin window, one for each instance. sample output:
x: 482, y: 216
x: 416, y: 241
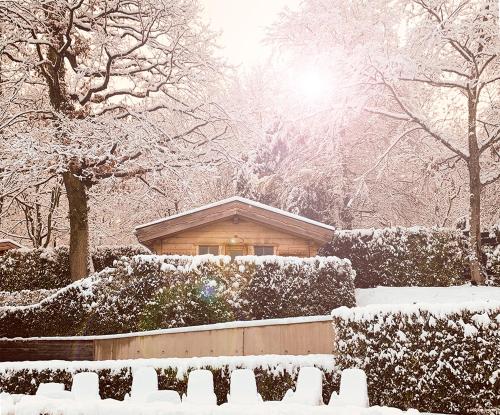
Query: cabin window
x: 208, y: 249
x: 263, y: 250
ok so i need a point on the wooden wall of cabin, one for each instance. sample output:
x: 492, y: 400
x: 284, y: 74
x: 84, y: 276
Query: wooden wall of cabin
x: 244, y: 232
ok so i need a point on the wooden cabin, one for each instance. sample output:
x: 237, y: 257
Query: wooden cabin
x: 7, y: 245
x: 234, y: 227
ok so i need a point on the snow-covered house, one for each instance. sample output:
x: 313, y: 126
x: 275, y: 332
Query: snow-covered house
x: 235, y: 226
x: 8, y: 244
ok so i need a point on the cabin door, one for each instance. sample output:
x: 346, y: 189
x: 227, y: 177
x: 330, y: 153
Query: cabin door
x: 235, y: 250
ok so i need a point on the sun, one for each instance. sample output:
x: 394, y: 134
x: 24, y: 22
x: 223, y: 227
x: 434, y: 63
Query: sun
x: 312, y: 84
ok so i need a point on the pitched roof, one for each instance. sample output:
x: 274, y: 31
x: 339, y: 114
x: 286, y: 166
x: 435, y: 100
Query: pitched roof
x: 6, y: 244
x: 232, y: 206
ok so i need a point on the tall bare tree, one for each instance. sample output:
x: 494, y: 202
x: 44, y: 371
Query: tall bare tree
x: 123, y: 88
x: 431, y: 66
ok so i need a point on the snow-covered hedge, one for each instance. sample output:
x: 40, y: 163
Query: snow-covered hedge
x: 115, y: 300
x: 403, y: 256
x: 435, y: 358
x: 23, y: 269
x: 275, y: 374
x: 275, y: 287
x: 493, y: 264
x: 105, y: 256
x: 34, y: 269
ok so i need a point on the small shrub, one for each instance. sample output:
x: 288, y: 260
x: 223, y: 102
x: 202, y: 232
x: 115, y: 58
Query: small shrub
x: 493, y: 264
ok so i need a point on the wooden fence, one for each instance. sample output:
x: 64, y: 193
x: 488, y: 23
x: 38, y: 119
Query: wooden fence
x: 14, y: 350
x: 295, y: 336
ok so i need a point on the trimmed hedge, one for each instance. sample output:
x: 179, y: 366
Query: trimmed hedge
x: 276, y: 287
x: 114, y: 300
x: 435, y: 358
x: 274, y: 374
x: 493, y: 264
x: 105, y: 256
x: 66, y: 312
x: 35, y: 269
x: 186, y: 305
x: 403, y: 256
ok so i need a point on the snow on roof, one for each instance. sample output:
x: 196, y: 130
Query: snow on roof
x: 10, y: 241
x: 242, y: 200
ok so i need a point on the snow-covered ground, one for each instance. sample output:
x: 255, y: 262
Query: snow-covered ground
x: 432, y: 295
x: 35, y: 405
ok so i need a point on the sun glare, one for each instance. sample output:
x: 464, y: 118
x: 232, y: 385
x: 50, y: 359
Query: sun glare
x: 313, y: 84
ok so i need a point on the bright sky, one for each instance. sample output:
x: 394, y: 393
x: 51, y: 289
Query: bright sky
x: 243, y: 24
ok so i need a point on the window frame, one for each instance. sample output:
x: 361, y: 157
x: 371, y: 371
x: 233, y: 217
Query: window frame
x: 263, y: 247
x: 208, y: 249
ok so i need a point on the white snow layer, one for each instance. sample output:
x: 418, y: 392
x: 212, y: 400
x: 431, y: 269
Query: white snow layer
x: 276, y: 364
x: 437, y: 310
x: 35, y: 406
x: 431, y: 295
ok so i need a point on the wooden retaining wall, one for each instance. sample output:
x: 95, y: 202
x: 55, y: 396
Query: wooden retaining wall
x: 294, y: 336
x: 45, y: 349
x: 311, y: 337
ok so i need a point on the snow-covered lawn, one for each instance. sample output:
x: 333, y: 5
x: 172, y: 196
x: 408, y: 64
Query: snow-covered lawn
x: 432, y: 295
x: 35, y: 405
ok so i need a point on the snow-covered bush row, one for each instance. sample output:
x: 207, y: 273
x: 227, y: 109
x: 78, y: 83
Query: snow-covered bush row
x: 274, y: 287
x: 34, y: 269
x: 493, y: 264
x: 403, y: 256
x: 24, y: 297
x: 24, y: 269
x: 148, y: 292
x: 67, y: 311
x: 275, y: 374
x: 440, y: 358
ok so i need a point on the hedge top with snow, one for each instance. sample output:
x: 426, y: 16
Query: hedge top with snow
x: 275, y: 364
x: 35, y: 269
x: 275, y: 374
x: 478, y: 309
x: 439, y: 358
x: 148, y: 292
x: 414, y: 256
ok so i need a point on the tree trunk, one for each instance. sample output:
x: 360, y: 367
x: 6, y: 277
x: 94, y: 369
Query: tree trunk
x: 474, y: 167
x: 79, y: 253
x: 475, y: 224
